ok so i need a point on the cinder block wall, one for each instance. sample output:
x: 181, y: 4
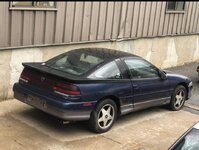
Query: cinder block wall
x: 164, y: 52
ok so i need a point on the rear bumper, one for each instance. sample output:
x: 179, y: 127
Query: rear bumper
x: 64, y: 110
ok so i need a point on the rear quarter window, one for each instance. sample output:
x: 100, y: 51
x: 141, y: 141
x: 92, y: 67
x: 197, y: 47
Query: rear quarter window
x: 108, y: 71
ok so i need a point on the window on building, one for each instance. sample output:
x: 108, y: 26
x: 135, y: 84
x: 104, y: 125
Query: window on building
x: 175, y: 6
x: 33, y: 4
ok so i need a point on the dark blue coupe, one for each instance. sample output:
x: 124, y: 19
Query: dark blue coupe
x: 98, y: 85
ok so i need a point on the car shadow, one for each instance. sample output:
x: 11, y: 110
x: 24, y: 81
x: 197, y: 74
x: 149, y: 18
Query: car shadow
x: 36, y: 115
x: 52, y: 126
x: 69, y: 131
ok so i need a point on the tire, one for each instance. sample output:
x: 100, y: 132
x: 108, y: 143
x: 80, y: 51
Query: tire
x: 178, y: 98
x: 103, y: 116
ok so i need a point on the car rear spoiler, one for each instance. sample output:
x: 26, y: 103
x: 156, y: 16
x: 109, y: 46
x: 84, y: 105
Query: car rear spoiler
x: 41, y: 67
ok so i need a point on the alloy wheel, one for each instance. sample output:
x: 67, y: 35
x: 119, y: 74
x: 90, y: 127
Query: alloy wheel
x: 106, y: 116
x: 179, y: 99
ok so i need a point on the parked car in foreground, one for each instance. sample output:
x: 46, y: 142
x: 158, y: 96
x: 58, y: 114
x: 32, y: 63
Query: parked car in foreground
x: 98, y: 85
x: 189, y: 140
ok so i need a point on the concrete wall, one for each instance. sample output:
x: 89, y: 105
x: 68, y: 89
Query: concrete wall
x: 164, y: 52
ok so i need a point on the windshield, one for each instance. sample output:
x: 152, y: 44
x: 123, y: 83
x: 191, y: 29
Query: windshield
x: 75, y: 63
x: 190, y: 141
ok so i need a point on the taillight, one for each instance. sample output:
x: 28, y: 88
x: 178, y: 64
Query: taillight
x: 25, y: 75
x: 44, y: 81
x: 66, y: 89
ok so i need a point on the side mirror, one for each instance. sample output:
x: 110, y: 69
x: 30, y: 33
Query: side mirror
x: 118, y: 76
x: 162, y: 74
x: 197, y: 69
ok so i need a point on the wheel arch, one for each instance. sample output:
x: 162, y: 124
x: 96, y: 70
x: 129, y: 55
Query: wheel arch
x: 114, y: 98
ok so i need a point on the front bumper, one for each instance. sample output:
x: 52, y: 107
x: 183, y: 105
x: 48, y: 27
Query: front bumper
x: 190, y: 87
x: 63, y: 110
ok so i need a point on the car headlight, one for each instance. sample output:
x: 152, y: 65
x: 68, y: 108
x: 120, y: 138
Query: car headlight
x: 190, y: 84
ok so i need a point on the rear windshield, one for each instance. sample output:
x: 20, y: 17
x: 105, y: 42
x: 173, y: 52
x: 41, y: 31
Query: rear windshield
x: 74, y: 62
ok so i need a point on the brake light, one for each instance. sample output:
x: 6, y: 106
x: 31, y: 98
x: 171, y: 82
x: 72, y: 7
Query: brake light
x: 66, y: 89
x: 49, y: 83
x: 25, y: 75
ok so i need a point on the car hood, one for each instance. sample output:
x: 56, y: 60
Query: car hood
x: 175, y: 75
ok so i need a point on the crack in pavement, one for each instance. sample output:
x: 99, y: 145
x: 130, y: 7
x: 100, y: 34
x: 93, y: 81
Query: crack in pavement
x: 112, y: 140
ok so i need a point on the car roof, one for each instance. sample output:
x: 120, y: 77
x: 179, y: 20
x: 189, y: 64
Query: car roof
x: 105, y: 53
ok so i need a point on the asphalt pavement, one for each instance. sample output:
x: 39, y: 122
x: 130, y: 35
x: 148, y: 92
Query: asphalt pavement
x: 189, y: 70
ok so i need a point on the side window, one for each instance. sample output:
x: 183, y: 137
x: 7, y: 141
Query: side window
x: 141, y: 69
x: 108, y: 71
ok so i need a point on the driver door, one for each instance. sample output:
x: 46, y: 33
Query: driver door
x: 148, y: 88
